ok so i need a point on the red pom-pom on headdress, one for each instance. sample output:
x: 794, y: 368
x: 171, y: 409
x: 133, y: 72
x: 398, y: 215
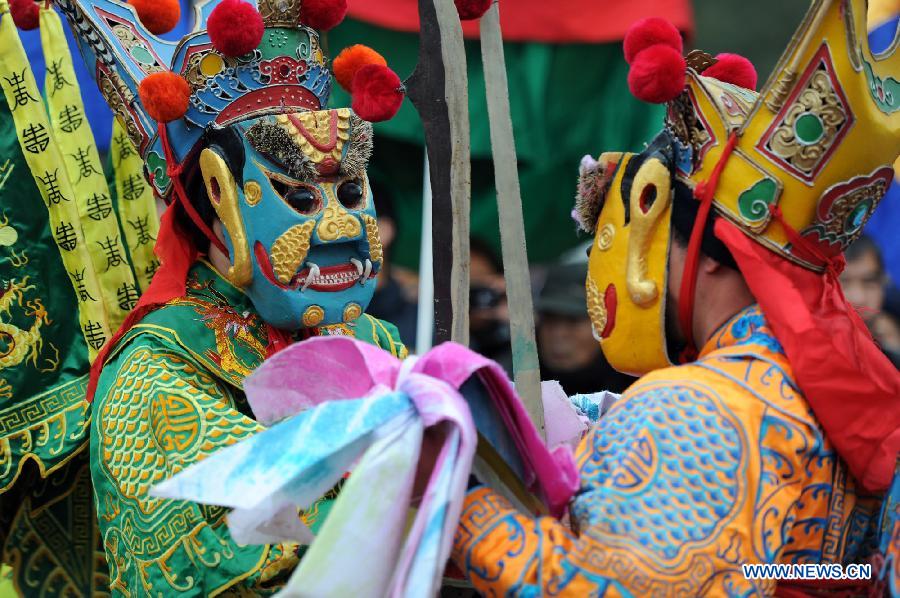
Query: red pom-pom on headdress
x: 323, y: 14
x: 658, y: 70
x: 657, y: 74
x: 472, y: 9
x: 235, y: 27
x: 377, y: 93
x: 158, y: 16
x: 734, y: 69
x: 649, y: 32
x: 25, y: 14
x: 165, y: 96
x: 350, y: 60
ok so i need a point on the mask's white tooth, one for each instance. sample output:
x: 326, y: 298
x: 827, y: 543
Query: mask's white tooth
x: 367, y: 273
x: 358, y: 264
x: 311, y: 277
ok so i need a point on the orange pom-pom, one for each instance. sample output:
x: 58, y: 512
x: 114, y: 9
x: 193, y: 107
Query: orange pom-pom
x: 158, y: 16
x: 165, y: 96
x: 350, y: 60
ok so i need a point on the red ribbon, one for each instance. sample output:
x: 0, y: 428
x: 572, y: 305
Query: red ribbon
x: 705, y: 192
x: 852, y: 388
x: 174, y: 170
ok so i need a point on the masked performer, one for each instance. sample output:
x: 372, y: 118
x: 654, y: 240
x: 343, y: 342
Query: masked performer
x: 718, y: 248
x: 270, y: 237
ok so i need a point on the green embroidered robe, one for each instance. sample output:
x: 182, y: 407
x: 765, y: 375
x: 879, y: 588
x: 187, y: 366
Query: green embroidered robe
x: 169, y: 396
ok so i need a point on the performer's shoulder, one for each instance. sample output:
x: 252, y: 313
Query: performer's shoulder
x: 746, y: 385
x: 146, y: 355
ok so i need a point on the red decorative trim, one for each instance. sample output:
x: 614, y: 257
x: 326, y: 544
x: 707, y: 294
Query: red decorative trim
x: 332, y: 133
x: 283, y: 70
x: 269, y: 100
x: 705, y: 192
x: 173, y: 169
x: 610, y: 300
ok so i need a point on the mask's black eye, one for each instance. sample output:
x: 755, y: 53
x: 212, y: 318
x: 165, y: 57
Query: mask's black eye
x: 303, y: 199
x: 350, y: 194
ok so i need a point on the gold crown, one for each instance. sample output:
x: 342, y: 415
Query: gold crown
x: 815, y: 145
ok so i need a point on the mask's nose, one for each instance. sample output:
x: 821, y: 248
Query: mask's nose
x: 336, y: 222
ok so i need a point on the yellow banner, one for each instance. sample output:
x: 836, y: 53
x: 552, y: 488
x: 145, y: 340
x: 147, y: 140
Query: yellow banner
x: 47, y: 167
x: 137, y: 205
x: 76, y: 143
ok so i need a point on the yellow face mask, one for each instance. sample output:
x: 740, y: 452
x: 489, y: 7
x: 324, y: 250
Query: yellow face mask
x: 627, y: 272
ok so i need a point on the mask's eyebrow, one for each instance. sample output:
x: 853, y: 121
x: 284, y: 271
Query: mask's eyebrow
x: 355, y: 162
x: 276, y: 144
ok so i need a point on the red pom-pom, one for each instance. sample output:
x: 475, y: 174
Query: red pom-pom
x: 657, y: 74
x: 350, y: 60
x: 649, y: 32
x: 235, y: 27
x: 25, y: 14
x: 158, y: 16
x: 323, y: 14
x: 165, y: 96
x: 472, y: 9
x: 734, y: 69
x: 377, y: 93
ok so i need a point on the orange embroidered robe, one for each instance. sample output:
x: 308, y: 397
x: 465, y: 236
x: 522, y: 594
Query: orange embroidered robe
x: 695, y: 471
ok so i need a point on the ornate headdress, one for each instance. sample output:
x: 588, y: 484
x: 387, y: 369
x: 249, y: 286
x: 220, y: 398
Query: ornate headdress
x: 814, y: 149
x: 796, y: 171
x: 242, y: 60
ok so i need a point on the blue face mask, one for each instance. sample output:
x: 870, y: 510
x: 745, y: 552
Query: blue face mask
x: 301, y: 228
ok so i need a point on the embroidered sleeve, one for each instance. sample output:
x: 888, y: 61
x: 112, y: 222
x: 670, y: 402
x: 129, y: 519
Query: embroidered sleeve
x: 158, y: 414
x: 677, y: 492
x: 386, y: 336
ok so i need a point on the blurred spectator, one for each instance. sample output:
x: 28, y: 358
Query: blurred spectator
x: 488, y: 308
x: 391, y: 302
x: 864, y: 282
x: 567, y: 349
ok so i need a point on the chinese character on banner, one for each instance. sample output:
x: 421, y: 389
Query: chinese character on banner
x: 141, y: 228
x: 66, y: 237
x: 20, y: 94
x: 113, y: 251
x: 99, y: 206
x: 81, y: 286
x: 127, y: 295
x: 50, y: 180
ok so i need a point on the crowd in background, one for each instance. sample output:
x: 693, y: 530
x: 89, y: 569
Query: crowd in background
x: 867, y: 286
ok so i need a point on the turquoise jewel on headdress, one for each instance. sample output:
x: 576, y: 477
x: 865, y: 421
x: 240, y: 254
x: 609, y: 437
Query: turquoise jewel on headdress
x: 286, y: 72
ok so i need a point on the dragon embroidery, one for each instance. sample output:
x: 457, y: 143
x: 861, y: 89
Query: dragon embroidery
x: 230, y: 328
x: 19, y: 345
